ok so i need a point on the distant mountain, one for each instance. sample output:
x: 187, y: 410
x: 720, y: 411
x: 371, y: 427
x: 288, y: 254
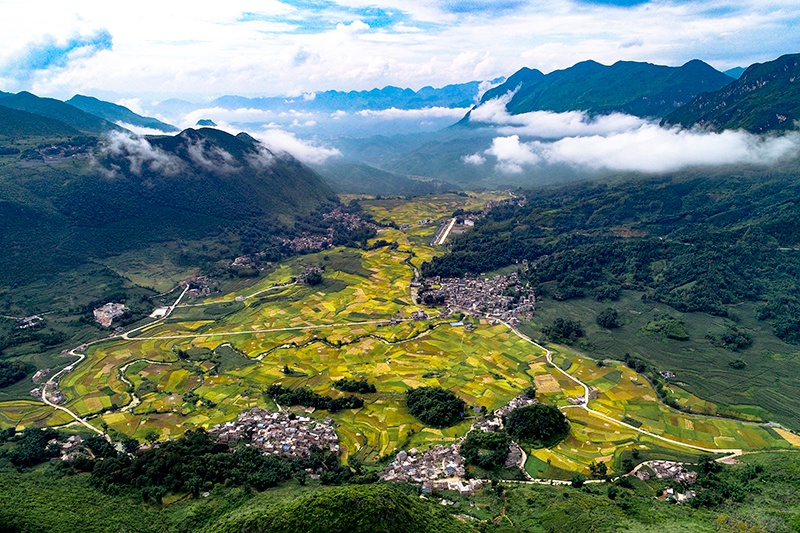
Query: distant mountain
x: 735, y: 72
x: 358, y: 178
x: 524, y: 77
x: 56, y: 109
x: 451, y: 96
x: 206, y: 122
x: 15, y: 124
x: 640, y: 89
x: 765, y: 98
x: 116, y: 113
x: 131, y: 193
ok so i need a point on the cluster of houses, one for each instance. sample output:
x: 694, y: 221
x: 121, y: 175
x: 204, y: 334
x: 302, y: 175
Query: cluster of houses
x: 29, y: 321
x: 39, y: 376
x: 51, y: 391
x: 348, y: 220
x: 442, y: 468
x: 308, y: 271
x: 668, y: 470
x: 106, y: 314
x: 278, y: 434
x: 70, y: 448
x: 313, y: 241
x: 481, y: 297
x: 199, y: 286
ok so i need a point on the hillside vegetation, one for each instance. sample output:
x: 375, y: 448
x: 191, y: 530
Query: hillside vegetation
x: 765, y: 98
x: 640, y: 89
x: 116, y: 113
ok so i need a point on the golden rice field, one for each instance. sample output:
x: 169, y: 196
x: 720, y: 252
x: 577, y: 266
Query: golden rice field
x: 340, y: 329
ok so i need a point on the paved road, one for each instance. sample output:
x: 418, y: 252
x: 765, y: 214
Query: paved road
x: 445, y: 233
x: 585, y: 405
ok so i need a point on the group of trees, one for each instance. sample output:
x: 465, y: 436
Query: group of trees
x: 435, y: 406
x: 308, y: 398
x: 563, y: 330
x: 542, y: 425
x: 354, y: 385
x: 13, y: 371
x: 485, y: 449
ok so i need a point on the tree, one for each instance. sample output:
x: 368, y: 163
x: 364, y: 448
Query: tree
x: 435, y: 406
x: 537, y: 423
x: 151, y: 436
x: 608, y: 318
x: 598, y: 469
x: 487, y: 450
x: 578, y: 481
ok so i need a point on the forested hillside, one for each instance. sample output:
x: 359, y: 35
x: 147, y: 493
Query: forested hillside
x: 765, y: 98
x: 697, y: 241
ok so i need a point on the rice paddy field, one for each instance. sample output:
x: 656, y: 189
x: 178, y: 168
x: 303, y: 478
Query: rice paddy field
x: 357, y: 324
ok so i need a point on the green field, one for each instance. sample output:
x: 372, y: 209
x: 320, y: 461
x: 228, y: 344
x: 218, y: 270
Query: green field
x: 340, y: 328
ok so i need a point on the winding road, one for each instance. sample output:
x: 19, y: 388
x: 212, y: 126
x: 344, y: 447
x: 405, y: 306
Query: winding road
x: 585, y: 404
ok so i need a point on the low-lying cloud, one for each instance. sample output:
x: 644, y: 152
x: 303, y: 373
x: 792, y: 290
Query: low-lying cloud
x: 140, y: 155
x: 428, y: 112
x: 282, y: 141
x: 617, y: 142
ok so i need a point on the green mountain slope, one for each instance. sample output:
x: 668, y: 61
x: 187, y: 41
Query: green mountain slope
x: 132, y: 193
x: 56, y: 109
x: 640, y: 89
x: 16, y: 124
x: 765, y: 98
x: 116, y: 113
x: 352, y: 509
x: 358, y: 178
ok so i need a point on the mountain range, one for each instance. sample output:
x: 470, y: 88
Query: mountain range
x: 640, y: 89
x: 765, y: 98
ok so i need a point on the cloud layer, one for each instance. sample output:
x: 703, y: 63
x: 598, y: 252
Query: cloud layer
x: 615, y: 142
x: 271, y: 47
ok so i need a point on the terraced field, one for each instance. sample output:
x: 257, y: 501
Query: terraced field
x: 356, y: 324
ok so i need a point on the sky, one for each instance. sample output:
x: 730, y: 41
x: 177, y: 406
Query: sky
x: 201, y: 50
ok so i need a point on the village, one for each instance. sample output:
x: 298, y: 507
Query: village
x: 487, y: 297
x: 278, y: 433
x: 442, y: 468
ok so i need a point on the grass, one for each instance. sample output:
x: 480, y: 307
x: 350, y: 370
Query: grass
x: 768, y: 388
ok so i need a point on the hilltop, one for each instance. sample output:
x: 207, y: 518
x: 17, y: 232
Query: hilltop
x: 765, y: 98
x: 58, y: 110
x: 116, y: 113
x: 635, y: 88
x: 85, y: 199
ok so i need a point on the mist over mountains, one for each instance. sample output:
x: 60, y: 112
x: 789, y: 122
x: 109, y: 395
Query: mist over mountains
x: 529, y: 129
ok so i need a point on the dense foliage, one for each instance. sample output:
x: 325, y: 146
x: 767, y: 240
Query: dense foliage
x: 435, y: 406
x: 695, y: 242
x: 538, y: 423
x: 13, y: 371
x: 32, y: 447
x: 608, y: 318
x: 354, y: 385
x: 485, y: 449
x: 563, y: 330
x: 308, y: 398
x: 352, y: 509
x: 188, y: 464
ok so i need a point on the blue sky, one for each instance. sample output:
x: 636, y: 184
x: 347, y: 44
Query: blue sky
x: 272, y: 47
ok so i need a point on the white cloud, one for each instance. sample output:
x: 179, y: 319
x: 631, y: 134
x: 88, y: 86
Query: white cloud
x: 648, y: 148
x: 134, y: 104
x: 550, y: 125
x: 281, y: 141
x: 139, y: 154
x: 394, y: 113
x: 270, y: 47
x: 141, y: 130
x: 474, y: 159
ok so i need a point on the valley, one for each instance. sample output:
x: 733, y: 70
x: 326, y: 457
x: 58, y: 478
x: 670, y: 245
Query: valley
x: 357, y: 323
